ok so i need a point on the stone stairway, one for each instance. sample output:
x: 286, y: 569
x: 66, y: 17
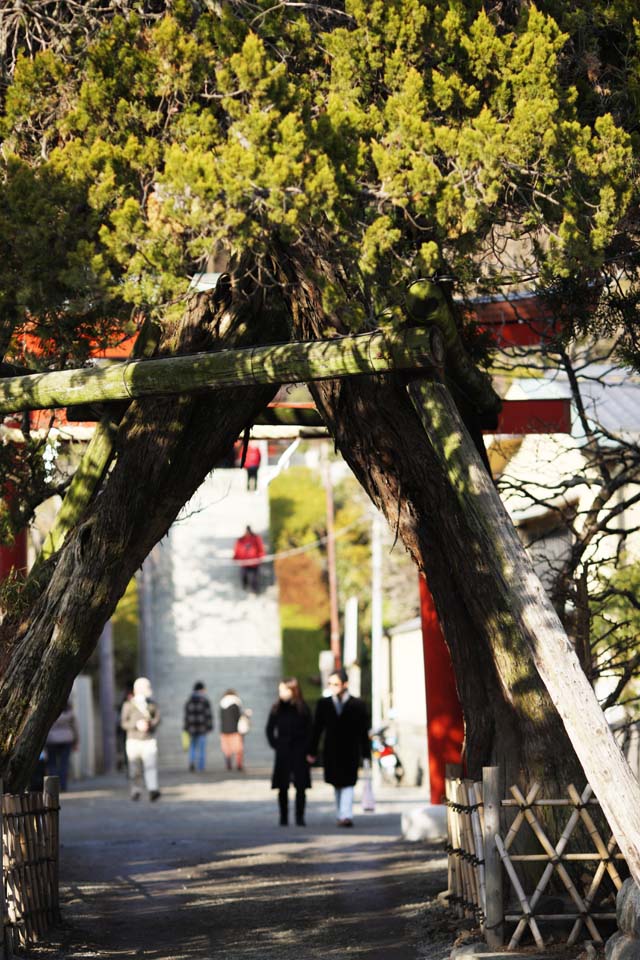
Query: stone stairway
x: 203, y: 625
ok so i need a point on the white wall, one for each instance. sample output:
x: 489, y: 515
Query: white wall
x: 408, y: 700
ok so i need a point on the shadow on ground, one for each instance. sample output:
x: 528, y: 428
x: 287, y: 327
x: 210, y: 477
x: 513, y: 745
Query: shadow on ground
x: 206, y: 872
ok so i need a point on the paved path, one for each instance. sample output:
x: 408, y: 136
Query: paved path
x: 206, y: 872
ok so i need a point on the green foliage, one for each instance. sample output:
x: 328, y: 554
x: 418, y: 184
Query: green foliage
x: 298, y: 509
x: 303, y: 639
x: 615, y: 633
x: 298, y: 519
x: 394, y: 144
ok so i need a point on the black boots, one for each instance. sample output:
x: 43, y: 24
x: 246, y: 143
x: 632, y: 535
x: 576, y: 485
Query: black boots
x: 283, y: 804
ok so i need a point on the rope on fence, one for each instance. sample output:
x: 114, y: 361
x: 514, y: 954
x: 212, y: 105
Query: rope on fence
x: 479, y: 851
x: 30, y: 857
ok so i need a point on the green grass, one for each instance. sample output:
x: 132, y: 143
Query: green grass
x: 303, y: 638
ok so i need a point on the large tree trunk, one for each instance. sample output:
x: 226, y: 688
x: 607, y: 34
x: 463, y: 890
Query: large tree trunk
x: 411, y: 451
x: 509, y: 717
x: 164, y: 450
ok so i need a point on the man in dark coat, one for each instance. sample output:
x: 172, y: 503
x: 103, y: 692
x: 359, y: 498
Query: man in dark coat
x: 344, y: 721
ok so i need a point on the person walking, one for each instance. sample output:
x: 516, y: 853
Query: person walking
x: 248, y: 553
x: 198, y: 722
x: 231, y: 739
x: 288, y: 731
x: 343, y: 720
x: 61, y: 740
x: 139, y: 718
x: 252, y: 464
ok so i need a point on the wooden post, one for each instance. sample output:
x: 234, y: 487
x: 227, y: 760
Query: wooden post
x: 364, y: 353
x: 453, y: 771
x: 51, y: 800
x: 334, y: 619
x: 494, y: 920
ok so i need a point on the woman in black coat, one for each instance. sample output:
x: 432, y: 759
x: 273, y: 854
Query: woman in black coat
x: 288, y: 730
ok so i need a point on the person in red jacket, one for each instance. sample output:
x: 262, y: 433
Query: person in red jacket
x: 248, y: 554
x: 251, y: 464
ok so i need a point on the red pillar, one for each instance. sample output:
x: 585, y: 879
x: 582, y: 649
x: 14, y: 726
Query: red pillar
x: 445, y: 730
x: 14, y: 556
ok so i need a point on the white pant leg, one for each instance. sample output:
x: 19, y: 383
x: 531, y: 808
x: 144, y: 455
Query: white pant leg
x: 134, y: 763
x: 344, y: 802
x: 150, y: 764
x: 146, y: 753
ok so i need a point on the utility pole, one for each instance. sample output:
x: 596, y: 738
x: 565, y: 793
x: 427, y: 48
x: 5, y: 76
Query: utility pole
x: 331, y: 563
x: 376, y: 619
x: 107, y: 698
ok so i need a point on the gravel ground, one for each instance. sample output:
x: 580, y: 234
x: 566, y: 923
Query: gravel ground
x: 206, y: 872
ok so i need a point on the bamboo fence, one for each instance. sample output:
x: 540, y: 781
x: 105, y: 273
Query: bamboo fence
x: 30, y: 860
x: 483, y: 867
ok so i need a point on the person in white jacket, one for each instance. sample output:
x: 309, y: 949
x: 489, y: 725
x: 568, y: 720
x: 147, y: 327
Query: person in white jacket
x: 139, y: 718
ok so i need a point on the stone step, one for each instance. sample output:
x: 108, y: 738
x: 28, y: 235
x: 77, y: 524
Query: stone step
x: 204, y: 625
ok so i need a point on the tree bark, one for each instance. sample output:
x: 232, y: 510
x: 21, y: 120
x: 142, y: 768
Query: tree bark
x: 163, y: 451
x: 510, y: 720
x: 412, y: 453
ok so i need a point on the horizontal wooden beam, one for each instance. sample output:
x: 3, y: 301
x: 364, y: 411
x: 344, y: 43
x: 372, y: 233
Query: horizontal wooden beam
x: 366, y: 353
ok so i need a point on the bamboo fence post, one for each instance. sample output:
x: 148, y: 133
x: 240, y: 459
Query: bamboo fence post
x: 51, y: 801
x: 494, y: 911
x: 30, y: 865
x: 480, y: 801
x: 522, y: 897
x: 476, y: 826
x: 467, y: 869
x: 9, y: 894
x: 3, y: 906
x: 34, y: 820
x: 23, y: 903
x: 470, y: 844
x: 454, y: 883
x: 467, y: 848
x: 458, y: 843
x: 548, y: 848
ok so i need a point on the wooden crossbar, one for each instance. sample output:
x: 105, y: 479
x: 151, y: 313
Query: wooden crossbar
x: 366, y: 353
